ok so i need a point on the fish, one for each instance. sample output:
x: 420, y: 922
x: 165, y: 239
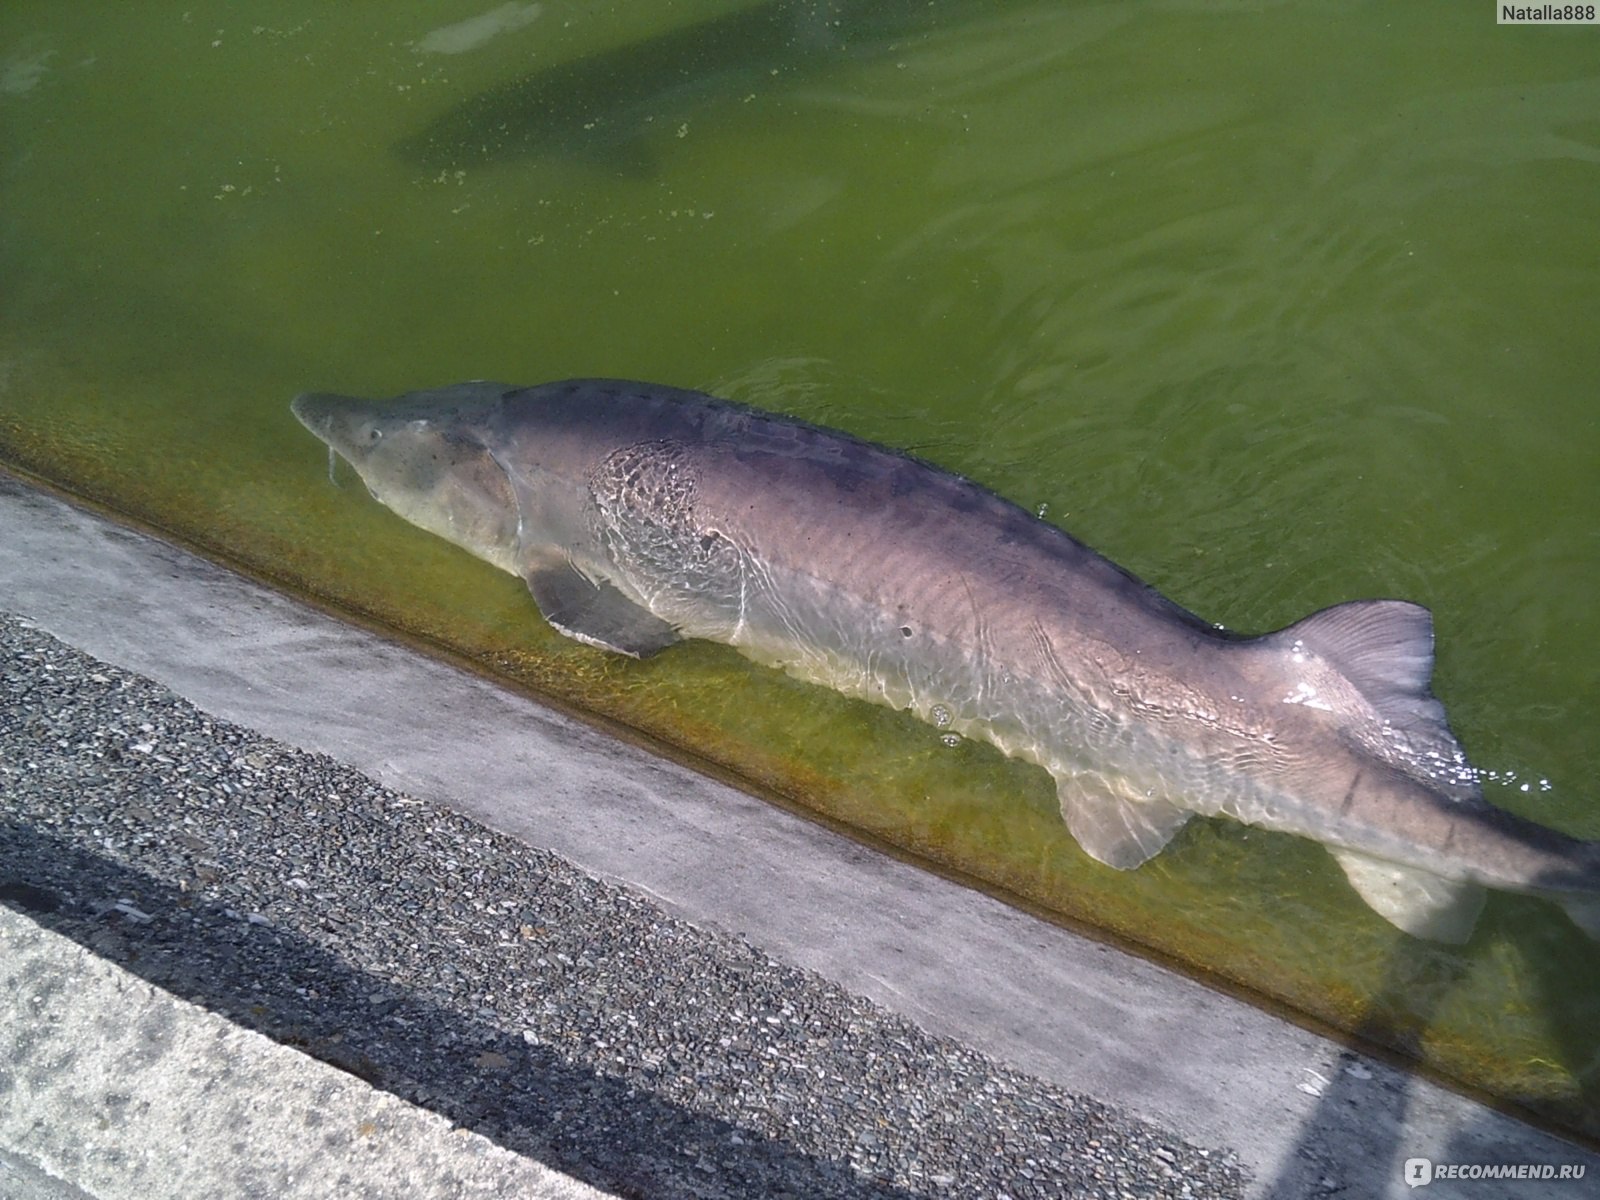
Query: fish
x: 605, y: 109
x: 640, y: 515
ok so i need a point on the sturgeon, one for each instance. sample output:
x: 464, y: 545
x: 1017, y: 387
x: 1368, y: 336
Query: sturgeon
x: 604, y: 108
x: 640, y: 515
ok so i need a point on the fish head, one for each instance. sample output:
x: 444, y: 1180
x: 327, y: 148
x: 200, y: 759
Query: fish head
x: 427, y: 457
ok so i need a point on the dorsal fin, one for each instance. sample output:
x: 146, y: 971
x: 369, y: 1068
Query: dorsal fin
x: 1383, y: 649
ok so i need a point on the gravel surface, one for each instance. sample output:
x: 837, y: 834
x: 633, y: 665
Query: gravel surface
x: 565, y: 1017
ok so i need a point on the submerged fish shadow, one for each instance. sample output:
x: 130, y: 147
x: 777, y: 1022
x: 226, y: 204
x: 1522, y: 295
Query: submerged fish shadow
x: 1354, y: 1140
x: 599, y: 109
x: 602, y: 110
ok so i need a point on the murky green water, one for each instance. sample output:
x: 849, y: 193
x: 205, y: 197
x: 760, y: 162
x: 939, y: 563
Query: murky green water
x: 1276, y: 304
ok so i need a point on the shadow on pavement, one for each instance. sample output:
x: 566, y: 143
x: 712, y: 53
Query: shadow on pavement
x: 475, y: 1072
x: 1355, y: 1142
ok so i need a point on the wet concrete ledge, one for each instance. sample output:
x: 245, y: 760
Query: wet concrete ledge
x: 1171, y: 1067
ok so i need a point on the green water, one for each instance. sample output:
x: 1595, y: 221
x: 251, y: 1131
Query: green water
x: 1275, y: 304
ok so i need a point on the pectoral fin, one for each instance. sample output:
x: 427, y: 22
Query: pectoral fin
x: 596, y: 613
x: 1119, y: 830
x: 1423, y: 905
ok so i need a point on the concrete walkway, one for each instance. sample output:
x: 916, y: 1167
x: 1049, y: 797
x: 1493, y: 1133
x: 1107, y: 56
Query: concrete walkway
x: 128, y: 1092
x: 1302, y: 1115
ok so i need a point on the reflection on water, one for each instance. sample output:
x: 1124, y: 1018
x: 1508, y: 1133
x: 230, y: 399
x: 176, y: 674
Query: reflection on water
x: 459, y: 37
x: 1277, y: 305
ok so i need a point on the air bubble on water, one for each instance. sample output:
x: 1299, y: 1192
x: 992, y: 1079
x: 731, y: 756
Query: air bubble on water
x: 1508, y: 778
x: 940, y: 715
x: 950, y: 739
